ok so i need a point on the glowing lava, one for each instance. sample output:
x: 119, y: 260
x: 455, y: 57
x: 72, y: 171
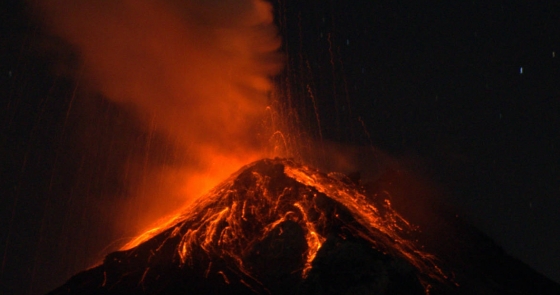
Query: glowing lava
x: 273, y: 226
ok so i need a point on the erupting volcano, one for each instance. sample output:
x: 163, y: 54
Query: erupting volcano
x: 278, y: 227
x: 129, y: 110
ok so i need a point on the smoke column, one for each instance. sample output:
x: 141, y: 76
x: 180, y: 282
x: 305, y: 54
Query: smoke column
x: 197, y: 70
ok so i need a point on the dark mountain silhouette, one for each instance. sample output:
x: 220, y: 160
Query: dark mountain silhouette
x: 277, y: 227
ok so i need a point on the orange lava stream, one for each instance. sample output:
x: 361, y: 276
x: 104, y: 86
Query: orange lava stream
x: 230, y: 220
x: 383, y: 228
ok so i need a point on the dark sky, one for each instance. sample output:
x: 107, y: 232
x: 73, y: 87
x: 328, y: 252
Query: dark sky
x: 470, y: 87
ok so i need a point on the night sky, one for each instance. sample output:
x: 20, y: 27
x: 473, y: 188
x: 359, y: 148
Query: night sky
x: 469, y: 88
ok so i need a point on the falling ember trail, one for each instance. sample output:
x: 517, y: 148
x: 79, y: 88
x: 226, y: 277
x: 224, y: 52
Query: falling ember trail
x: 272, y: 227
x: 310, y: 92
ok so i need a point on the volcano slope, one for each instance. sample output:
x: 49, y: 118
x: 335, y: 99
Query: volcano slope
x: 278, y: 227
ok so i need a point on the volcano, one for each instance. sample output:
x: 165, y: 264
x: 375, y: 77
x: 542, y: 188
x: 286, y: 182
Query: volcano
x: 279, y: 227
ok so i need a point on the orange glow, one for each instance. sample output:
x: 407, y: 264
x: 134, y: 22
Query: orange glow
x: 196, y: 71
x: 178, y: 183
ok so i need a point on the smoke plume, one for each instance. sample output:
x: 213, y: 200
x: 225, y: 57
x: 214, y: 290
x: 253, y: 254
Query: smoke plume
x: 197, y: 70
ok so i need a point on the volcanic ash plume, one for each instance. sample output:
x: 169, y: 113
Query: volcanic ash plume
x: 196, y: 70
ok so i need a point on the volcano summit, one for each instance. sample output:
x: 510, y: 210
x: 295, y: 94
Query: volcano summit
x: 278, y: 227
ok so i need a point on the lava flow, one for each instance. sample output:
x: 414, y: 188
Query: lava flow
x: 275, y: 227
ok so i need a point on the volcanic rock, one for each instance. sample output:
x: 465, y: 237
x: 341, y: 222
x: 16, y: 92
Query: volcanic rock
x: 278, y: 227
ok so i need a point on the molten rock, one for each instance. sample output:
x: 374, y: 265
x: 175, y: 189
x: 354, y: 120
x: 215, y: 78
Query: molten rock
x: 274, y: 227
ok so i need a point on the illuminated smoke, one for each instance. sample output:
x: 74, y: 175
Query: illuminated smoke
x: 198, y: 71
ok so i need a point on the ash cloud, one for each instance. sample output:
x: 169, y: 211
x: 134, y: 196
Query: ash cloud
x: 197, y: 71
